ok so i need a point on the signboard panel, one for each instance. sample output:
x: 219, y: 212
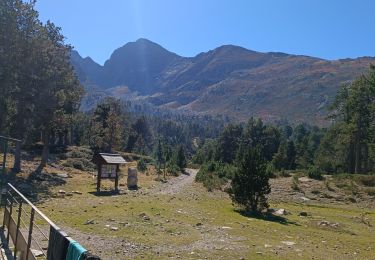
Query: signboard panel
x: 108, y: 171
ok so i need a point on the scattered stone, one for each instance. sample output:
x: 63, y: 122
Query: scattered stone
x: 304, y: 179
x: 62, y: 192
x: 198, y: 224
x: 259, y: 253
x: 335, y: 225
x: 62, y: 175
x: 280, y: 212
x: 144, y: 216
x: 325, y: 223
x: 69, y: 194
x: 288, y: 243
x: 224, y: 227
x: 89, y: 221
x: 37, y: 253
x: 267, y: 246
x: 304, y: 198
x: 303, y: 214
x: 114, y: 228
x: 77, y: 192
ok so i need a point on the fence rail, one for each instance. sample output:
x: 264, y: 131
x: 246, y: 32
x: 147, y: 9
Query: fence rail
x: 27, y: 227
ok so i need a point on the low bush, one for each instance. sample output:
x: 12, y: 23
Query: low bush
x: 365, y: 180
x: 214, y: 175
x: 142, y: 165
x: 314, y: 173
x: 295, y: 183
x: 79, y: 164
x: 173, y: 169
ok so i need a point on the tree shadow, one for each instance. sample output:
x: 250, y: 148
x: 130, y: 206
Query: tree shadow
x: 266, y: 217
x: 35, y: 187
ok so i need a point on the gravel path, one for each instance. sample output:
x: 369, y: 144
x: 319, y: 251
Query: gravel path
x: 176, y: 185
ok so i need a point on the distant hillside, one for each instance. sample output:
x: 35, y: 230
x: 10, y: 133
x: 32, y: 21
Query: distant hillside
x: 228, y: 80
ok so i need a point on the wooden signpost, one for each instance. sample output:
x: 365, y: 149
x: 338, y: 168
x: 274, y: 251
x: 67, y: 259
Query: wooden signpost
x: 108, y: 167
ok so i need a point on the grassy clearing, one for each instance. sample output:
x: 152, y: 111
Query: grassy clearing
x: 199, y: 224
x: 196, y: 224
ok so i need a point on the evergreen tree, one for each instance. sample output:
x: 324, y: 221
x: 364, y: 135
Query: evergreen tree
x: 250, y: 182
x: 228, y: 143
x: 159, y: 158
x: 180, y: 158
x: 355, y: 113
x: 107, y: 126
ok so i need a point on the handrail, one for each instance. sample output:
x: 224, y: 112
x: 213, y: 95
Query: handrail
x: 15, y: 206
x: 10, y: 139
x: 34, y: 207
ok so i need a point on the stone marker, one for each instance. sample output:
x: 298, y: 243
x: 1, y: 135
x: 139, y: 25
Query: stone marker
x: 132, y: 178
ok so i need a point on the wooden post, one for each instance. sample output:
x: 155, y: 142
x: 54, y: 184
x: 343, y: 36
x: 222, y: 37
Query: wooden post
x: 30, y: 232
x: 18, y: 229
x: 17, y: 157
x: 99, y: 177
x: 10, y: 217
x: 5, y: 154
x: 116, y: 178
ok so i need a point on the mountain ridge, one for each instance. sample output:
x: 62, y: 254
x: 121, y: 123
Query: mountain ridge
x: 228, y: 80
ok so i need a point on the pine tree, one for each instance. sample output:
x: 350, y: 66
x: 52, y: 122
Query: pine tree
x: 250, y: 182
x: 180, y: 158
x: 159, y: 158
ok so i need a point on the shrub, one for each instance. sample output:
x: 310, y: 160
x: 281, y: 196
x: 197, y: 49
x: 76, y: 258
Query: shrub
x: 80, y: 164
x: 214, y: 175
x: 173, y: 169
x: 314, y: 173
x: 142, y: 165
x: 366, y: 180
x: 295, y: 183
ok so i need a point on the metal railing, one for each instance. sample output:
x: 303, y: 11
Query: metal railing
x: 27, y: 227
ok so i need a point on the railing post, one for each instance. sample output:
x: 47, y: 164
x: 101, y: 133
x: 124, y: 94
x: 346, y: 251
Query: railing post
x: 17, y: 157
x: 5, y: 206
x: 5, y: 154
x: 10, y: 216
x: 30, y: 232
x: 18, y: 229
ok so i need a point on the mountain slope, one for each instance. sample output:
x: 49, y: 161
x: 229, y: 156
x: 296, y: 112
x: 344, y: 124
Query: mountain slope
x: 229, y: 80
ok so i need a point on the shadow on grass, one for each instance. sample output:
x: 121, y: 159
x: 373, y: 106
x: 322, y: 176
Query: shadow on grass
x: 266, y: 217
x: 105, y: 193
x: 35, y: 187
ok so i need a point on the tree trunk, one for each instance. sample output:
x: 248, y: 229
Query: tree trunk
x: 351, y: 159
x: 60, y: 139
x: 365, y: 158
x: 357, y: 157
x: 45, y: 153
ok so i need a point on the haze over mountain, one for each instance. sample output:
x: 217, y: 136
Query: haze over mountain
x: 229, y: 80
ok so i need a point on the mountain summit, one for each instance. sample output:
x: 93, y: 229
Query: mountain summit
x: 229, y: 80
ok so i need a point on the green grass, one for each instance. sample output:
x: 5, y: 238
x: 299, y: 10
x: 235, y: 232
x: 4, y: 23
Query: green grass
x: 172, y: 229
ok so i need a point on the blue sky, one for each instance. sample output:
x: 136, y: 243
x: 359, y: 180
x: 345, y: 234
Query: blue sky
x: 328, y: 29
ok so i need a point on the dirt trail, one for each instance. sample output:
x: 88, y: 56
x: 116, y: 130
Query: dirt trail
x: 176, y: 185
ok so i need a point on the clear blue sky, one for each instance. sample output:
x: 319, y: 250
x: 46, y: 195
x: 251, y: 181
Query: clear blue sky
x: 328, y: 29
